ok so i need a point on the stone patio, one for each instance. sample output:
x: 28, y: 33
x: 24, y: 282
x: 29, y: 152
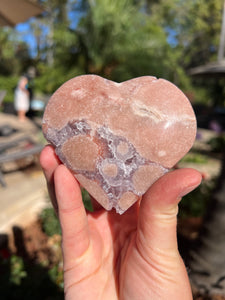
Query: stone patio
x: 25, y: 194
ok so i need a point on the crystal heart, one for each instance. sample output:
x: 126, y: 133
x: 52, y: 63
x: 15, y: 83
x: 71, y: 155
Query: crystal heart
x: 119, y: 138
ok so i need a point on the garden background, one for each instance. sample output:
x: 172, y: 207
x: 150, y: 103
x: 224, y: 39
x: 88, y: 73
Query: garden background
x: 119, y: 40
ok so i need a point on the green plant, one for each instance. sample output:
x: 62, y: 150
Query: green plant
x: 217, y: 143
x: 56, y: 275
x: 17, y: 269
x: 50, y: 222
x: 50, y: 79
x: 8, y: 84
x: 195, y: 158
x: 195, y: 204
x: 87, y: 200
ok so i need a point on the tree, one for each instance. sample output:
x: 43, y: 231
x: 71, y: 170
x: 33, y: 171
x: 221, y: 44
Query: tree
x: 14, y: 56
x: 119, y: 41
x: 115, y: 39
x: 56, y: 46
x: 56, y: 19
x: 193, y: 29
x: 195, y: 25
x: 126, y: 38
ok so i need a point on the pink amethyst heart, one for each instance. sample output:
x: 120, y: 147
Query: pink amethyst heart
x: 119, y: 138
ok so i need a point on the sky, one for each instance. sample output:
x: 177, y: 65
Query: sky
x: 24, y: 32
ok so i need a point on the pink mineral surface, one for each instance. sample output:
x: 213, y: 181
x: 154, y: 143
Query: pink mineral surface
x: 119, y: 138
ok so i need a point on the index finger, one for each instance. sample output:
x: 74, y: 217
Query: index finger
x: 49, y: 163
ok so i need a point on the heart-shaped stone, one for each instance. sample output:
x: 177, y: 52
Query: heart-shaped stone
x: 119, y: 138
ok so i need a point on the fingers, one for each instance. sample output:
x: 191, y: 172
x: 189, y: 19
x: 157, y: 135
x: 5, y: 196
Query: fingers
x: 49, y: 162
x: 72, y: 215
x: 63, y: 186
x: 159, y: 207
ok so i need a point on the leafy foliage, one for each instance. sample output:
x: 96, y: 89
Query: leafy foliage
x: 53, y: 77
x: 56, y: 275
x: 196, y: 27
x: 50, y: 222
x: 196, y: 203
x: 22, y: 280
x: 197, y: 158
x: 119, y: 40
x: 217, y: 144
x: 8, y: 83
x: 87, y: 200
x: 18, y: 271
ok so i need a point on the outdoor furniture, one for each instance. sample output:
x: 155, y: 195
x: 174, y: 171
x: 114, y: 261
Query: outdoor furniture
x: 19, y: 148
x: 6, y: 130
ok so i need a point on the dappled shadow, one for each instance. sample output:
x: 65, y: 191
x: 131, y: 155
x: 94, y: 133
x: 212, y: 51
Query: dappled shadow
x: 21, y: 275
x: 206, y: 260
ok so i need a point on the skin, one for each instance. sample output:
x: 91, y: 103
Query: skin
x: 131, y: 256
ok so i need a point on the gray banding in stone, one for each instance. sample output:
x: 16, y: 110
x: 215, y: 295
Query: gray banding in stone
x: 59, y: 137
x: 126, y: 163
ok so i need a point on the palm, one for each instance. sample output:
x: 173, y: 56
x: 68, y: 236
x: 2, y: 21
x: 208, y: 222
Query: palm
x: 110, y: 237
x: 114, y: 262
x: 132, y: 256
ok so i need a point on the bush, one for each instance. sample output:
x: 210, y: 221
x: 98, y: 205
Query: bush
x: 50, y: 222
x: 9, y: 84
x: 87, y: 200
x: 195, y: 204
x: 196, y: 158
x: 217, y: 144
x: 51, y: 79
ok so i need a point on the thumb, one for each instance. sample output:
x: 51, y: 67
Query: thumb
x: 159, y: 207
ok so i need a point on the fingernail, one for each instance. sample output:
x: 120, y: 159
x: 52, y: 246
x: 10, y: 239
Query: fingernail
x: 188, y: 190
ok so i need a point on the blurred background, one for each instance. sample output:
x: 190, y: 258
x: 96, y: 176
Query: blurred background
x: 51, y: 41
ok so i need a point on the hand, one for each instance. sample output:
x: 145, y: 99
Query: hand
x: 131, y: 256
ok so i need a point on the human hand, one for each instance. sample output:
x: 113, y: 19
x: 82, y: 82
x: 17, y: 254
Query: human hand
x: 131, y: 256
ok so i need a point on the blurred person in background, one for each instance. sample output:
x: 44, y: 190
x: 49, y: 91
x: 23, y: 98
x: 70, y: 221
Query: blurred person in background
x: 22, y: 98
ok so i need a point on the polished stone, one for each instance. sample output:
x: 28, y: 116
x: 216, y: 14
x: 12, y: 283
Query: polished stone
x: 119, y: 138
